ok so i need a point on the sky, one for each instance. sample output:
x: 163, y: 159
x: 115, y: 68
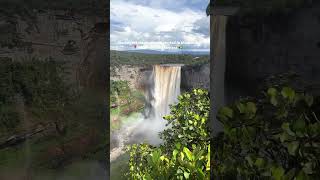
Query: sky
x: 159, y: 25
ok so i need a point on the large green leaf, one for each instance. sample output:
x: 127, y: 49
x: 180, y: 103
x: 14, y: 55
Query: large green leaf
x: 292, y: 147
x: 277, y: 172
x: 225, y: 113
x: 288, y: 93
x: 188, y: 153
x: 286, y: 128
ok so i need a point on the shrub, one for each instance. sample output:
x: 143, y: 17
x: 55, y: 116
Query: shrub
x: 185, y: 153
x: 275, y: 136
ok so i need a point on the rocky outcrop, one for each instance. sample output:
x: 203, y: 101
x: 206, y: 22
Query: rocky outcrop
x: 135, y: 75
x: 79, y: 40
x: 195, y: 76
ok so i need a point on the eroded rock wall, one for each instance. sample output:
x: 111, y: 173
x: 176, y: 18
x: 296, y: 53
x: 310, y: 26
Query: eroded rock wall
x: 286, y: 43
x: 79, y: 40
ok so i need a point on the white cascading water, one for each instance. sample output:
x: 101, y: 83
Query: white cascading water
x: 164, y: 89
x: 167, y: 80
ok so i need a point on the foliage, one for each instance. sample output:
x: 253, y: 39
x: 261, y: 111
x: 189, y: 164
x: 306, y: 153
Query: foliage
x: 188, y: 120
x: 277, y: 136
x: 133, y: 58
x: 124, y: 102
x: 187, y: 157
x: 121, y: 95
x: 119, y: 90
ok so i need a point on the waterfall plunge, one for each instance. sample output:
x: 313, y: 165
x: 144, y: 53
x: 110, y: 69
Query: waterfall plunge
x: 164, y: 90
x: 167, y: 80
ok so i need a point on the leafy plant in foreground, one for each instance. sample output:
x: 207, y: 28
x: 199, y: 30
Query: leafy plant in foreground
x: 276, y: 136
x: 185, y: 152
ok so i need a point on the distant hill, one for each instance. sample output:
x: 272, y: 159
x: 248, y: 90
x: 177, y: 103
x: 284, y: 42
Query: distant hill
x: 189, y: 52
x: 151, y: 57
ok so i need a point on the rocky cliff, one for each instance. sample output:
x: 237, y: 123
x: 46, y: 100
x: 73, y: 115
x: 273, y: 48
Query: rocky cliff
x: 273, y: 45
x: 192, y: 76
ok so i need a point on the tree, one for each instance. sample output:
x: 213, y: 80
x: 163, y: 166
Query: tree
x: 185, y: 153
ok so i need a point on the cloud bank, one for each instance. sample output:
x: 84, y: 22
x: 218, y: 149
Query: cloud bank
x: 134, y: 22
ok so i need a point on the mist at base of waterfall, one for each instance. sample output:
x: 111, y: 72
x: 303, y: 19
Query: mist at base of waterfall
x: 147, y: 131
x: 163, y: 90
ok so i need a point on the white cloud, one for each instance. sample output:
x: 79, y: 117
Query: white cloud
x: 145, y: 23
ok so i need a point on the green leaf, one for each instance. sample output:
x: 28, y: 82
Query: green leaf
x: 277, y: 172
x: 182, y: 155
x: 274, y: 101
x: 178, y: 145
x: 307, y: 168
x: 162, y: 158
x: 251, y: 107
x: 208, y: 159
x: 272, y: 92
x: 174, y: 153
x: 241, y: 107
x: 259, y: 162
x: 225, y: 113
x: 288, y: 93
x: 286, y: 137
x: 286, y: 128
x: 188, y: 153
x: 249, y: 159
x: 299, y: 125
x: 186, y: 175
x: 292, y: 147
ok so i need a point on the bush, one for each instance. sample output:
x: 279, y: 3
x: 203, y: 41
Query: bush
x: 185, y: 153
x: 275, y: 136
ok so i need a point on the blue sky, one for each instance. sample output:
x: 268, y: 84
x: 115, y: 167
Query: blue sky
x: 152, y: 24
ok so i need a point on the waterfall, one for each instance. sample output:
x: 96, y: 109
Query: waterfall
x: 166, y: 89
x: 163, y: 90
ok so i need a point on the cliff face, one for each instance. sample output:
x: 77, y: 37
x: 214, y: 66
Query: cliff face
x: 135, y: 75
x: 192, y: 76
x: 195, y: 76
x: 63, y: 35
x: 289, y: 43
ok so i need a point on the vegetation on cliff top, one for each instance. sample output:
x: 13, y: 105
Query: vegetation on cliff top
x: 134, y: 58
